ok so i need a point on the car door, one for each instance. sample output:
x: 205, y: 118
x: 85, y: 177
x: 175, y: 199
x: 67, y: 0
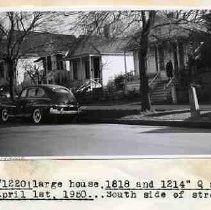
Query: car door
x: 42, y: 97
x: 21, y: 103
x: 29, y: 101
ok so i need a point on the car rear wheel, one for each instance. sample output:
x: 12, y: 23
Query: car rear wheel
x: 4, y: 115
x: 37, y: 116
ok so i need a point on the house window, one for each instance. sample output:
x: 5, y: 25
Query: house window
x: 87, y: 69
x: 49, y: 63
x: 59, y: 62
x: 1, y: 70
x: 75, y: 70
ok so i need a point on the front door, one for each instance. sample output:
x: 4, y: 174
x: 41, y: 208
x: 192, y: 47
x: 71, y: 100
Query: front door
x: 96, y: 66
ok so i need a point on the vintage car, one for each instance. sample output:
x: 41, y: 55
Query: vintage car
x: 39, y: 102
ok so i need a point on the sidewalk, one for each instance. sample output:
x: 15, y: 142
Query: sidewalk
x: 163, y: 115
x: 137, y: 106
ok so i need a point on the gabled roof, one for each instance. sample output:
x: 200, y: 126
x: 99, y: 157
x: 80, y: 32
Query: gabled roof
x: 163, y: 30
x: 86, y: 45
x: 40, y: 43
x: 43, y: 44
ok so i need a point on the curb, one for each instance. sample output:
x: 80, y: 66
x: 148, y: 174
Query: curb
x: 113, y: 117
x: 169, y: 112
x: 187, y: 124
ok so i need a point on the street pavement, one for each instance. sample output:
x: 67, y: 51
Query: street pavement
x: 17, y: 139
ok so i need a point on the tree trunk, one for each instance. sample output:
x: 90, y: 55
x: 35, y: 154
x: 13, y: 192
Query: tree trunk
x: 142, y: 56
x: 193, y: 100
x: 176, y: 67
x: 11, y: 70
x: 144, y: 88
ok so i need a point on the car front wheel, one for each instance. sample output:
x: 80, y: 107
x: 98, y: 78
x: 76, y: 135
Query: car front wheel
x: 37, y: 116
x: 4, y: 115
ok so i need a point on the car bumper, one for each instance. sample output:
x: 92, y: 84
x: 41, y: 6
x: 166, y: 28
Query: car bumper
x: 63, y: 112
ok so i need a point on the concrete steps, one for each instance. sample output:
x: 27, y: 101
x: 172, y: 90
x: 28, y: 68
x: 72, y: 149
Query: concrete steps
x: 158, y: 93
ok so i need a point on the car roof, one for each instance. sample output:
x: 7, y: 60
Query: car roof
x: 48, y: 86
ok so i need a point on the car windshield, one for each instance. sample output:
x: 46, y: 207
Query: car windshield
x: 64, y: 96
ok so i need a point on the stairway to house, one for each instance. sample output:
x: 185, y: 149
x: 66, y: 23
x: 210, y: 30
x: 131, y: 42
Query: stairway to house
x: 159, y: 94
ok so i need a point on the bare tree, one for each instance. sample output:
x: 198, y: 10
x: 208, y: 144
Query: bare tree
x: 147, y: 23
x: 122, y: 23
x: 14, y: 28
x: 185, y: 24
x: 34, y: 72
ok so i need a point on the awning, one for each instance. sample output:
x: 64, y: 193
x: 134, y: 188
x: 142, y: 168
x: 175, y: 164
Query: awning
x: 39, y: 59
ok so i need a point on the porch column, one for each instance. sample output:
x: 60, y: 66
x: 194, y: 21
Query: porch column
x: 156, y: 59
x: 161, y: 58
x: 90, y: 66
x: 46, y: 69
x: 180, y: 54
x: 161, y: 64
x: 174, y: 49
x: 101, y: 71
x: 125, y: 62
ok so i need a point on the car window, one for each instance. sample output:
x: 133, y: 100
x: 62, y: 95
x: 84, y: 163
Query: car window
x: 23, y: 94
x: 31, y: 92
x: 64, y: 96
x: 40, y: 92
x: 61, y: 90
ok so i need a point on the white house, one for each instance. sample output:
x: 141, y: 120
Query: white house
x: 99, y: 59
x: 46, y: 51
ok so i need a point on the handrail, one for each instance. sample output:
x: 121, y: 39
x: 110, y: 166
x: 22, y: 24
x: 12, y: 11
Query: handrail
x: 88, y: 83
x: 154, y: 79
x: 95, y: 80
x: 169, y: 83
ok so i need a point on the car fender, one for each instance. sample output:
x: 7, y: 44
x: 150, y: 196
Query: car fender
x: 43, y: 107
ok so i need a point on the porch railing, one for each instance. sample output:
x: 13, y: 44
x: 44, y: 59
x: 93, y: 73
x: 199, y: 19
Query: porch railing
x: 90, y: 85
x: 153, y: 82
x: 168, y: 86
x: 169, y: 83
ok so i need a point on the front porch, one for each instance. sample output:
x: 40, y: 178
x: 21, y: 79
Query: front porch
x: 162, y: 88
x: 86, y: 72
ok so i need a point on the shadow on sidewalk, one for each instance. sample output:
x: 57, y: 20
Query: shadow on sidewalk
x: 178, y: 130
